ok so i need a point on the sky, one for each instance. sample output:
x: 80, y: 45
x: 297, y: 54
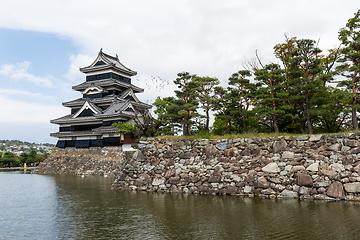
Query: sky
x: 44, y: 43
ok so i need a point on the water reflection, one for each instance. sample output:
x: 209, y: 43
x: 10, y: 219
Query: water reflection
x: 101, y: 213
x: 69, y: 207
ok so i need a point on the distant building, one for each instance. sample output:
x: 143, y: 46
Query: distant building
x: 108, y: 97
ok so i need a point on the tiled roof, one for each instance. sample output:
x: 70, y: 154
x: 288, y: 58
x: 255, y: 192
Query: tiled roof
x: 75, y: 134
x: 106, y: 83
x: 95, y: 132
x: 69, y: 119
x: 106, y: 99
x: 109, y: 61
x: 81, y: 101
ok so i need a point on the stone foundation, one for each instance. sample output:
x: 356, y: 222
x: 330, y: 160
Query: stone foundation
x: 323, y: 167
x: 98, y: 161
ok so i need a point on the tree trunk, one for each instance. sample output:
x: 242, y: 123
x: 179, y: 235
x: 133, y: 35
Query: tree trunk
x: 207, y: 121
x: 276, y: 128
x: 307, y: 114
x: 227, y: 127
x: 309, y: 123
x: 186, y: 127
x: 354, y: 117
x: 244, y: 124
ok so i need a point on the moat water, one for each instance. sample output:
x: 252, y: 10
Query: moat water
x: 70, y: 207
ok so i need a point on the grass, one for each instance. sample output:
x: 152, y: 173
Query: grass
x: 248, y: 135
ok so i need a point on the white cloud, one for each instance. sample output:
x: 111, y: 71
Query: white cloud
x: 25, y: 113
x: 77, y: 61
x: 166, y: 37
x: 19, y: 72
x: 24, y: 93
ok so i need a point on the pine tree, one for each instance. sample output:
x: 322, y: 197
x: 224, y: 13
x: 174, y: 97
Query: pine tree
x: 204, y: 87
x: 220, y: 105
x: 271, y: 94
x: 350, y: 63
x: 305, y: 85
x: 240, y: 94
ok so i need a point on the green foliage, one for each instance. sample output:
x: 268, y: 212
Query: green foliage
x: 218, y: 127
x: 23, y: 157
x: 350, y: 63
x: 204, y: 87
x: 271, y: 95
x: 178, y: 112
x: 238, y: 98
x: 124, y: 127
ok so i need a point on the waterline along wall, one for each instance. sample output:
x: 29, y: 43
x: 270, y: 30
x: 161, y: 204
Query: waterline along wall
x: 308, y: 167
x: 94, y: 161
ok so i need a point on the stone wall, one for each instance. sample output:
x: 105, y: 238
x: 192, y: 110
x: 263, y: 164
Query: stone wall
x: 105, y: 161
x: 309, y: 167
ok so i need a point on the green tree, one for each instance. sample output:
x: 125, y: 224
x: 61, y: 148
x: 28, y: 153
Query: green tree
x: 350, y: 63
x: 239, y: 96
x: 305, y: 67
x: 31, y: 157
x: 8, y: 159
x: 186, y: 104
x: 272, y: 93
x: 221, y: 106
x: 23, y: 157
x: 204, y: 87
x: 179, y: 111
x: 335, y: 112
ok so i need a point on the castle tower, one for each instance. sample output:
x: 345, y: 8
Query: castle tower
x: 108, y: 97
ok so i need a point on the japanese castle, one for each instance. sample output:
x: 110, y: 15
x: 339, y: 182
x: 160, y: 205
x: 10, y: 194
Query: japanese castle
x: 108, y: 97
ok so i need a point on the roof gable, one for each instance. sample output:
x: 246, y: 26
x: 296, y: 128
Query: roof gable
x: 105, y: 61
x: 129, y: 93
x: 94, y: 90
x: 86, y: 107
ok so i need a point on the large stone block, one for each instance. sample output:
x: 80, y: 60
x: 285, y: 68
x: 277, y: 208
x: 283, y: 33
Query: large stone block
x: 335, y: 190
x: 262, y: 183
x: 138, y: 182
x: 185, y: 155
x: 215, y: 179
x: 139, y: 156
x: 304, y: 180
x: 222, y: 145
x: 169, y: 154
x: 169, y: 173
x: 288, y: 154
x: 279, y: 146
x: 174, y: 180
x: 357, y: 168
x: 313, y: 167
x: 355, y: 150
x: 158, y: 181
x: 351, y: 143
x: 210, y: 151
x: 288, y: 194
x: 337, y: 167
x: 271, y: 168
x: 328, y: 173
x: 302, y: 138
x: 231, y: 152
x: 315, y: 138
x: 352, y: 187
x: 335, y: 147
